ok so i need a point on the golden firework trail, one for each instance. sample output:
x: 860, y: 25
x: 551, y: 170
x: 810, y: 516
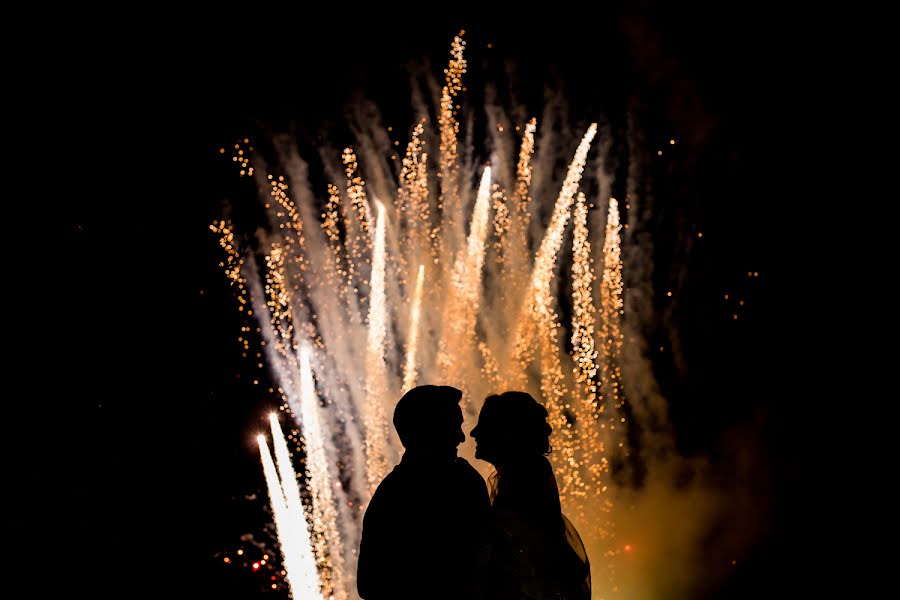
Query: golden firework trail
x: 296, y: 549
x: 462, y: 310
x: 611, y: 311
x: 409, y: 374
x: 583, y: 348
x: 327, y: 541
x: 378, y: 451
x: 449, y: 204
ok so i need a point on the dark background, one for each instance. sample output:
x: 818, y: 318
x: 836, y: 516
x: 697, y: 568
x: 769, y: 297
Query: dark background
x: 150, y: 448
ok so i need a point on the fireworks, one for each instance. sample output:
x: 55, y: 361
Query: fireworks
x: 361, y: 308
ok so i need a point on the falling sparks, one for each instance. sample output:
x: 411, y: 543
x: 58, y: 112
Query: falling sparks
x: 523, y: 172
x: 277, y: 292
x: 290, y: 221
x: 233, y: 261
x: 502, y: 222
x: 413, y: 199
x: 358, y: 230
x: 241, y: 157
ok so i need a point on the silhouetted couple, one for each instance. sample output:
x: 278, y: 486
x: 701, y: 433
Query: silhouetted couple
x: 431, y: 531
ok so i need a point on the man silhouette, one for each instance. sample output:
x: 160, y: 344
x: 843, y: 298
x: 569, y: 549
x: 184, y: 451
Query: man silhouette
x: 423, y: 530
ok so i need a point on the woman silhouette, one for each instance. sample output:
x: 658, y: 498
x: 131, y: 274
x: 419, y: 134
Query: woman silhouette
x: 536, y: 553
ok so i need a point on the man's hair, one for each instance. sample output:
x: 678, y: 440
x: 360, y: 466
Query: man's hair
x: 419, y: 408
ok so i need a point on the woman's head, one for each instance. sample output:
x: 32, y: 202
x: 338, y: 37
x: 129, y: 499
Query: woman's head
x: 511, y: 425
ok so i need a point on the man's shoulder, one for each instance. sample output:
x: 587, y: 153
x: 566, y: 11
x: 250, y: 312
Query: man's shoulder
x: 398, y: 477
x: 392, y: 484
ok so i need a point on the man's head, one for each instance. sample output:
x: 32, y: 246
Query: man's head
x: 428, y: 418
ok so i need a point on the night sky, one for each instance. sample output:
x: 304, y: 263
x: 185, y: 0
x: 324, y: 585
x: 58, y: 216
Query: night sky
x: 153, y: 434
